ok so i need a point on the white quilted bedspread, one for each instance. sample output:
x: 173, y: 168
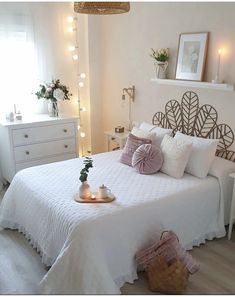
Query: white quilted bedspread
x: 91, y: 247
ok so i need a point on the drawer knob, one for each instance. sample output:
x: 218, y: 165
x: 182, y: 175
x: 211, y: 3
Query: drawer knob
x: 27, y: 152
x: 26, y: 136
x: 65, y: 145
x: 65, y: 130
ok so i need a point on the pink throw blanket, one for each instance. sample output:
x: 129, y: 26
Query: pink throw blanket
x: 169, y: 248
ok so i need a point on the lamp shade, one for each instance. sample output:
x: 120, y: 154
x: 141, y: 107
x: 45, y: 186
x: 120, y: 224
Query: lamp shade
x: 101, y: 7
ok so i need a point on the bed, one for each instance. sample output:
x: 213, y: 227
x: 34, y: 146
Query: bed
x: 91, y: 247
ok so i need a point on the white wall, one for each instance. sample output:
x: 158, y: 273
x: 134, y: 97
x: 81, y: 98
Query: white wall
x: 125, y: 42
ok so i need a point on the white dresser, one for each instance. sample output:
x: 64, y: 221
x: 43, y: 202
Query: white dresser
x: 35, y: 141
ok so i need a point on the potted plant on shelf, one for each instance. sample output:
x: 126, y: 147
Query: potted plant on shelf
x: 161, y: 61
x: 53, y: 92
x: 84, y: 190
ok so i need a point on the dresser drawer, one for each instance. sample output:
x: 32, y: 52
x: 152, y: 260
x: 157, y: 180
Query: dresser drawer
x: 42, y: 133
x: 46, y: 149
x: 58, y: 158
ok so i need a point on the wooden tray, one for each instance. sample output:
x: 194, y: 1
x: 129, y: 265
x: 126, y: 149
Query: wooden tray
x: 95, y: 200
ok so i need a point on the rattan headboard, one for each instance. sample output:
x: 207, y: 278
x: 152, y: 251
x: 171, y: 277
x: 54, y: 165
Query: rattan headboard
x: 191, y: 119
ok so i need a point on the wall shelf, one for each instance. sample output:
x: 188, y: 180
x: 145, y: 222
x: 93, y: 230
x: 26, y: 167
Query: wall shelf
x: 193, y: 84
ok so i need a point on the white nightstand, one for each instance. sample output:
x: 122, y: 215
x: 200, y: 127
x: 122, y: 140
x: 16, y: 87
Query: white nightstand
x: 119, y: 138
x: 232, y: 209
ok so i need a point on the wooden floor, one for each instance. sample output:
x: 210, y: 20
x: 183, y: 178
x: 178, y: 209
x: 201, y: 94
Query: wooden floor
x: 216, y: 274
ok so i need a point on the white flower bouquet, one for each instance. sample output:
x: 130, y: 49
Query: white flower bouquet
x: 54, y: 91
x: 161, y: 55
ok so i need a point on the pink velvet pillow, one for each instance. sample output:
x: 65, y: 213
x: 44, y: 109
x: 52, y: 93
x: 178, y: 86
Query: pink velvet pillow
x: 147, y: 159
x: 132, y: 143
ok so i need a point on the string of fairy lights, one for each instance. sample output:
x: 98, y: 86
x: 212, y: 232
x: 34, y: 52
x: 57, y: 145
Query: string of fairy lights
x: 73, y: 48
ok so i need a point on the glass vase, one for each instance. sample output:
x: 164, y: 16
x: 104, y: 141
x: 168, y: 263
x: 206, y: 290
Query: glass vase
x: 53, y: 110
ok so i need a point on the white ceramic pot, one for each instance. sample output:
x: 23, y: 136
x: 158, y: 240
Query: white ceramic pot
x: 84, y: 190
x: 161, y: 68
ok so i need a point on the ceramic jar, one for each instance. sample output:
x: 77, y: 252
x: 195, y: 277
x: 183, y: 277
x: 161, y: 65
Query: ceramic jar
x: 84, y: 190
x: 161, y: 68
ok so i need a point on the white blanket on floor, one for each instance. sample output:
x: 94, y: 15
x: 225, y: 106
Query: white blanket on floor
x: 91, y: 247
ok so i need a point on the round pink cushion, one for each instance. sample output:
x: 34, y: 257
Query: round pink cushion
x: 147, y: 159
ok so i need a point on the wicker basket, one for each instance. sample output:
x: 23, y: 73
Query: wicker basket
x: 167, y: 278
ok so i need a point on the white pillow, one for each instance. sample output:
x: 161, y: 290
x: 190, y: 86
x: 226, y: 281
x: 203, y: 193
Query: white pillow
x: 143, y: 133
x: 175, y: 156
x: 202, y: 154
x: 159, y: 132
x: 146, y: 126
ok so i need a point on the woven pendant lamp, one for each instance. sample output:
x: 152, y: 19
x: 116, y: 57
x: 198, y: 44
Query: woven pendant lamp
x: 101, y: 7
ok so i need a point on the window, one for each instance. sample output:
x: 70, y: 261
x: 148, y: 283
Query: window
x: 18, y: 63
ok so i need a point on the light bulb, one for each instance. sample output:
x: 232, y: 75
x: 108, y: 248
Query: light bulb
x: 82, y: 134
x: 83, y: 108
x: 78, y: 127
x: 83, y: 75
x: 71, y: 29
x: 81, y: 84
x: 75, y: 57
x: 72, y: 48
x: 70, y: 19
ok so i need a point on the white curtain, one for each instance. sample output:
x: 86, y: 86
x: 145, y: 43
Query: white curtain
x: 18, y: 58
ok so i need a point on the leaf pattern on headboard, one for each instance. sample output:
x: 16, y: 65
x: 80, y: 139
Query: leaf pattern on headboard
x: 160, y: 120
x: 189, y: 107
x: 206, y: 121
x: 173, y: 115
x: 225, y: 134
x: 191, y: 119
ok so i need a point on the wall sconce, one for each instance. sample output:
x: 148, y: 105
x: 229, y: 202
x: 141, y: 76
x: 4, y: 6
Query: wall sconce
x: 131, y: 96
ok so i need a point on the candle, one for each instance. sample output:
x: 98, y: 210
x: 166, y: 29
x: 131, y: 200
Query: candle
x: 92, y: 196
x: 217, y: 76
x: 218, y: 65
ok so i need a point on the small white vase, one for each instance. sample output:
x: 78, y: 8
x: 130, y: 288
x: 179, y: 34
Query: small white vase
x: 84, y: 190
x: 161, y: 68
x: 53, y: 109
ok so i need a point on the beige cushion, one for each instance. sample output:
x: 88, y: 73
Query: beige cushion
x: 202, y: 154
x: 175, y: 156
x: 142, y: 133
x: 158, y: 131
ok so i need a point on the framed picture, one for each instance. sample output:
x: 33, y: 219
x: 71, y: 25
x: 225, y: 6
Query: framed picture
x: 191, y: 56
